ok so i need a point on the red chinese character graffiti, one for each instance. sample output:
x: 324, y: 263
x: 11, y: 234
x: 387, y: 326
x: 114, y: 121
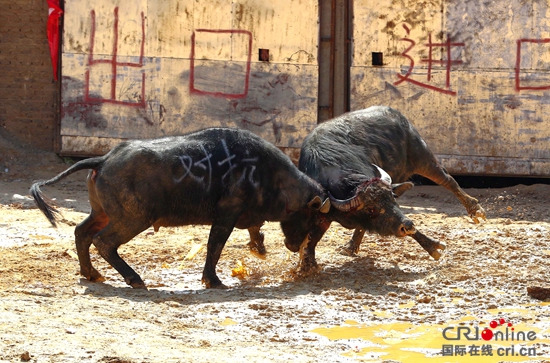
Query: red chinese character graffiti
x: 448, y: 63
x: 114, y: 63
x: 239, y: 79
x: 519, y: 87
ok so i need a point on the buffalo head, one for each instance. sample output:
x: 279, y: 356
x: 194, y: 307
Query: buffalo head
x: 297, y: 228
x: 374, y: 205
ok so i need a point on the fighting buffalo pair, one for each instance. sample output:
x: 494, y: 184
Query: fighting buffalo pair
x: 351, y: 169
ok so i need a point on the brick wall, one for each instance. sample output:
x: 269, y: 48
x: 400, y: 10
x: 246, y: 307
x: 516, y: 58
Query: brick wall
x: 29, y: 97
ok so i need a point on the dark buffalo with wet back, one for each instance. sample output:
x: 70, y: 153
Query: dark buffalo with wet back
x: 364, y: 160
x: 221, y: 177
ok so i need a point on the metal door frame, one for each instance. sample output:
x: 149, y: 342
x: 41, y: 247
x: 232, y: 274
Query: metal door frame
x: 335, y: 57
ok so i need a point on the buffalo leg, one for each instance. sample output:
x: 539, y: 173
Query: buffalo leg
x: 84, y: 233
x: 219, y: 233
x: 439, y: 175
x: 256, y: 244
x: 107, y: 242
x: 430, y: 245
x: 307, y: 252
x: 352, y: 248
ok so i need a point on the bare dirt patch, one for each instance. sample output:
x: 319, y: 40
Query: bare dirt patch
x: 391, y: 303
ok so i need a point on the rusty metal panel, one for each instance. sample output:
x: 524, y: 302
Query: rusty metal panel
x: 151, y: 69
x: 472, y: 76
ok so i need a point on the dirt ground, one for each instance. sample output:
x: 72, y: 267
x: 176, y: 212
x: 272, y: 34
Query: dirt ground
x: 391, y: 303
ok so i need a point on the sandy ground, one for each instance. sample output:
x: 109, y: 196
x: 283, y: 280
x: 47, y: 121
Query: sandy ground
x: 391, y: 303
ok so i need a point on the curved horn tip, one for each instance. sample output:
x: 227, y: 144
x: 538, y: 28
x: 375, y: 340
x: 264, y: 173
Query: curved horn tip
x: 325, y: 207
x: 383, y: 174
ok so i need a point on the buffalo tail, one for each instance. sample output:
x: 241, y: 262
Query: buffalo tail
x: 45, y: 204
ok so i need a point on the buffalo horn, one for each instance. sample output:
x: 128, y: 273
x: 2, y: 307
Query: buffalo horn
x: 348, y: 205
x: 325, y: 207
x: 383, y: 175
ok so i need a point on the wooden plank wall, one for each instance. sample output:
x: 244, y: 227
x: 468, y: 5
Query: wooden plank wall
x: 472, y: 76
x: 151, y: 68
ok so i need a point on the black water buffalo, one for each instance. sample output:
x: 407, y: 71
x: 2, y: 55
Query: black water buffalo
x: 355, y: 157
x: 221, y: 177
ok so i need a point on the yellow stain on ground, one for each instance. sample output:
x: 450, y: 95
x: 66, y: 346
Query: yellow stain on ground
x: 228, y: 321
x: 72, y: 254
x: 194, y: 250
x: 407, y: 305
x: 405, y: 342
x: 351, y: 322
x: 383, y: 314
x: 542, y: 303
x: 39, y: 236
x: 452, y: 301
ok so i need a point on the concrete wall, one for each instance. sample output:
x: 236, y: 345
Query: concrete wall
x: 157, y: 68
x: 28, y: 94
x: 472, y: 76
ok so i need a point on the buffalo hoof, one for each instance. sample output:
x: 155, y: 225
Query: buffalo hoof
x: 136, y: 283
x: 347, y: 251
x: 436, y: 254
x: 257, y: 249
x: 220, y: 287
x: 478, y: 214
x: 213, y: 284
x: 93, y: 276
x: 308, y: 267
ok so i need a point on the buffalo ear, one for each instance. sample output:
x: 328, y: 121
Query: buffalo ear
x: 401, y: 188
x: 318, y: 204
x: 315, y: 203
